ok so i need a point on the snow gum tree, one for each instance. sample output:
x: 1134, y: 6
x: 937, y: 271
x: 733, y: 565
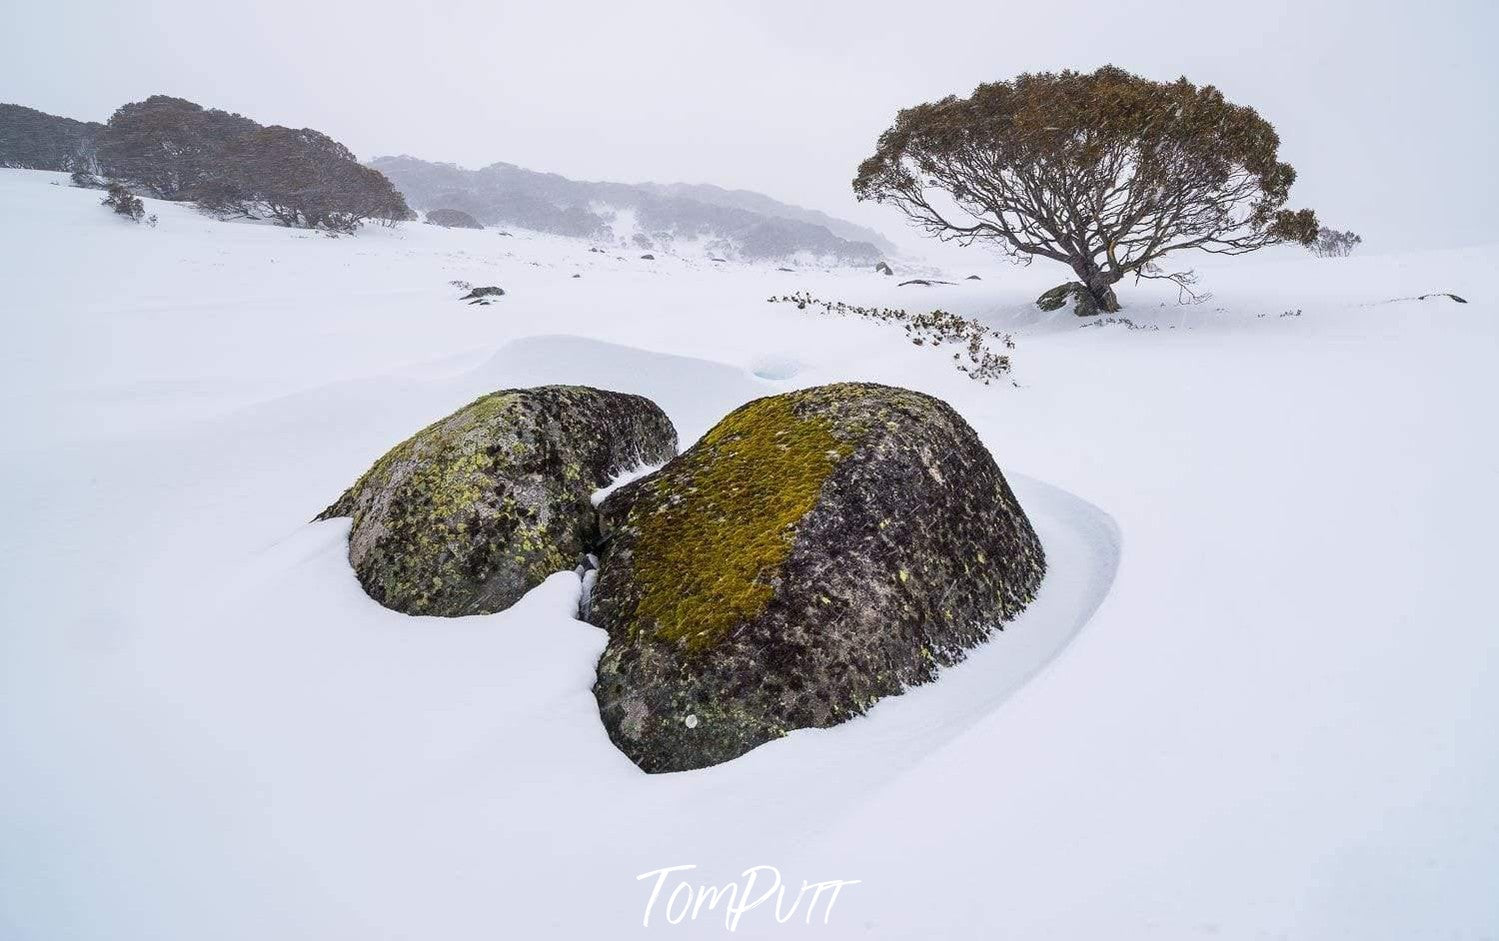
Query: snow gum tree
x: 1106, y: 173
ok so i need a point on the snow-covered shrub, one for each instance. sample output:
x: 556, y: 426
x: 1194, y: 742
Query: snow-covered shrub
x: 933, y: 328
x: 124, y: 202
x: 1331, y: 243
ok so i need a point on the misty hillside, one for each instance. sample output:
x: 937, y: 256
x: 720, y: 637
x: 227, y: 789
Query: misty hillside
x: 34, y: 140
x: 647, y: 216
x: 767, y: 206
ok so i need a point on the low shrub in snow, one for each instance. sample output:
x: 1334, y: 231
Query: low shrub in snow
x: 125, y: 202
x: 1331, y: 243
x: 933, y: 328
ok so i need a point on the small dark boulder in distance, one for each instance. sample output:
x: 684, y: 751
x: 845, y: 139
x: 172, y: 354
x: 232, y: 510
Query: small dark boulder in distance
x: 883, y: 268
x: 648, y: 257
x: 453, y: 219
x: 484, y: 295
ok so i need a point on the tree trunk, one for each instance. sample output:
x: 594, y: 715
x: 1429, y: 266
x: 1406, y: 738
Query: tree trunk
x: 1103, y: 293
x: 1100, y: 284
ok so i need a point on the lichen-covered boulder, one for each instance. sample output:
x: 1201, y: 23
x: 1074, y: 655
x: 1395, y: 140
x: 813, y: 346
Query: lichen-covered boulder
x: 474, y: 510
x: 1057, y: 297
x: 814, y: 552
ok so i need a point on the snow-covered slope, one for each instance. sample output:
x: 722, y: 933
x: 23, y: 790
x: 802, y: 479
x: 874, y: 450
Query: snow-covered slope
x: 1256, y: 697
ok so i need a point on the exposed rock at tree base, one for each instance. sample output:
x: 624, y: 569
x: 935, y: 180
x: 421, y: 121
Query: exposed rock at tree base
x: 474, y: 510
x: 1057, y: 297
x: 453, y: 219
x: 814, y: 552
x: 484, y: 295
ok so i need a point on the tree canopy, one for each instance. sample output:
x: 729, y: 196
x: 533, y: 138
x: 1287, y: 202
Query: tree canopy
x: 1105, y: 172
x: 231, y: 165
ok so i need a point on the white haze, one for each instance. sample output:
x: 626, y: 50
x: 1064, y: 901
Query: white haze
x: 1386, y: 109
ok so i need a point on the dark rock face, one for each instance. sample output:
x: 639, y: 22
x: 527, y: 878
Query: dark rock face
x: 1057, y: 297
x: 973, y: 277
x: 814, y: 552
x: 453, y: 219
x: 476, y: 509
x: 648, y: 257
x: 924, y: 282
x: 883, y: 268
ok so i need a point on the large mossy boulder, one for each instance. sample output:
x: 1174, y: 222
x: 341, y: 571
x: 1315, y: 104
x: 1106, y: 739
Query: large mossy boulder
x: 1055, y: 299
x: 474, y: 510
x: 814, y: 552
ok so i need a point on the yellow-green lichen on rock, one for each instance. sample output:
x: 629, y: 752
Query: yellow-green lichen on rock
x: 475, y: 509
x: 708, y: 554
x: 814, y: 552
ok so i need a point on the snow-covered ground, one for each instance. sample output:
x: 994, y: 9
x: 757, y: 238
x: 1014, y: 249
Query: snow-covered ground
x: 1256, y: 698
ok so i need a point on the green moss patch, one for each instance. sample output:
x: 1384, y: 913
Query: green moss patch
x: 724, y: 519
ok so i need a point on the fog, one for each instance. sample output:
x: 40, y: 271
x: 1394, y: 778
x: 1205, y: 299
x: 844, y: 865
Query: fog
x: 1385, y: 108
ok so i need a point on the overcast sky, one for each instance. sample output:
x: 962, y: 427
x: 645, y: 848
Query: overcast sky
x: 1386, y: 109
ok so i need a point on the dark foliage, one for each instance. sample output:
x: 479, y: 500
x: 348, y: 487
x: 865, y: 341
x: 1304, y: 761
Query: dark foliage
x: 306, y: 178
x: 83, y: 179
x: 230, y: 165
x: 169, y: 147
x: 1104, y: 172
x: 124, y: 202
x: 34, y: 140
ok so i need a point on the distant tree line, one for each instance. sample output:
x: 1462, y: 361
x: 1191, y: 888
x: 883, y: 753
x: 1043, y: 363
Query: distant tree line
x: 1333, y: 243
x: 35, y: 140
x: 232, y: 166
x: 226, y: 163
